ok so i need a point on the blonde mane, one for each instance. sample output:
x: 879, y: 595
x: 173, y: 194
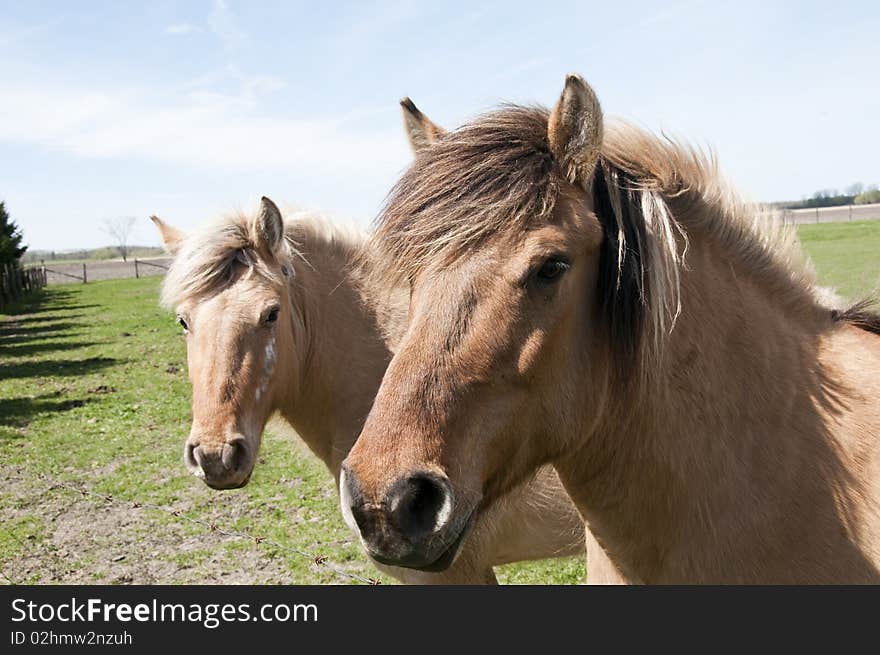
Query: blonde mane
x: 690, y: 182
x: 208, y: 257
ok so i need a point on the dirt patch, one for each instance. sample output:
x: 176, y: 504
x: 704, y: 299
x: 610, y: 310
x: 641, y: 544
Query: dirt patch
x: 81, y: 540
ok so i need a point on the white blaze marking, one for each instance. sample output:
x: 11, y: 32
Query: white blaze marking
x: 268, y: 366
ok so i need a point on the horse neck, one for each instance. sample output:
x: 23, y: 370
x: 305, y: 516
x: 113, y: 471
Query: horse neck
x: 731, y: 420
x: 340, y: 355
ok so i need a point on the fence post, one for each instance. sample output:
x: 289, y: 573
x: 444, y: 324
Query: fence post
x: 84, y: 273
x: 817, y: 214
x: 136, y: 276
x: 850, y: 212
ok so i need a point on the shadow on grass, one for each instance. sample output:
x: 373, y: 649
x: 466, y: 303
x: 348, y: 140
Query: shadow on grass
x: 37, y: 301
x: 73, y: 306
x: 8, y: 325
x: 36, y: 327
x: 13, y: 333
x: 49, y: 299
x: 29, y: 349
x: 57, y: 368
x: 41, y: 316
x: 19, y: 412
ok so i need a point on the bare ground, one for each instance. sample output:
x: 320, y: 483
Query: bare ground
x: 82, y: 540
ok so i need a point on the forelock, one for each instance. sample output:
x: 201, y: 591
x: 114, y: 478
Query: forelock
x: 207, y: 259
x: 495, y: 174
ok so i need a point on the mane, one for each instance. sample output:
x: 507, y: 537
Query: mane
x: 862, y: 315
x: 696, y: 194
x: 490, y: 176
x: 497, y: 176
x: 208, y: 257
x: 304, y: 229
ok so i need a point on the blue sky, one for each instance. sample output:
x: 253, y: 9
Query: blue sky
x: 191, y: 109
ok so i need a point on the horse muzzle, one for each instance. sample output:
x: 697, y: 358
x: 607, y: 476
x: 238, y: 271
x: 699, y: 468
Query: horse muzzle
x: 412, y: 525
x: 224, y: 465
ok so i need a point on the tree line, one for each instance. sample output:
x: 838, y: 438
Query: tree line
x: 854, y: 194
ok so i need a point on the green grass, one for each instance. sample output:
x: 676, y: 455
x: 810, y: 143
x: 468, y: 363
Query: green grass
x: 846, y: 255
x: 93, y: 389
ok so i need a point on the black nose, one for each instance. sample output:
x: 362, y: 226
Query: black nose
x: 413, y: 509
x: 410, y: 524
x: 419, y: 505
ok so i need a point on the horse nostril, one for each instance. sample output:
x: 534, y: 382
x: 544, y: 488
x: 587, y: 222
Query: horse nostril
x: 421, y: 504
x: 235, y: 455
x: 189, y: 457
x: 351, y: 500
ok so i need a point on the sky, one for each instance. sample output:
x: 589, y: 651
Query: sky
x: 192, y: 109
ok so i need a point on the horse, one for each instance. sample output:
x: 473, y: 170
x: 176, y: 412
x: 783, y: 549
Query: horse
x: 278, y: 319
x: 600, y: 299
x: 422, y: 133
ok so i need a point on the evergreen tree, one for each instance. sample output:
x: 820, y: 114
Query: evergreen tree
x: 11, y: 249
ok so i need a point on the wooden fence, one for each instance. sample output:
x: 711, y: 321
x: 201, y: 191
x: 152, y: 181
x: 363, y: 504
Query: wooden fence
x: 16, y: 282
x: 93, y: 271
x: 838, y: 214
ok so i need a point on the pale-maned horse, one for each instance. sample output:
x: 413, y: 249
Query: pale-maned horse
x: 599, y: 299
x: 278, y: 318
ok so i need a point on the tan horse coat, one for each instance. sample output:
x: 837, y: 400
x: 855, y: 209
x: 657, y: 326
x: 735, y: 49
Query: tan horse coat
x: 601, y: 300
x: 331, y: 354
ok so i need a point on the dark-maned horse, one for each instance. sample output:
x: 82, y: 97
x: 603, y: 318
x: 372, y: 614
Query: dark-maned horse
x: 601, y: 300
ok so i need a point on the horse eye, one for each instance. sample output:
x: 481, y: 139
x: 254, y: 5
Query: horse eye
x: 272, y: 316
x: 182, y: 323
x: 551, y: 270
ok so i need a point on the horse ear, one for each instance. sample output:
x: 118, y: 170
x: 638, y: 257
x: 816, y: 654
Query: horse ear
x: 574, y: 130
x: 420, y: 130
x: 268, y: 228
x: 171, y: 236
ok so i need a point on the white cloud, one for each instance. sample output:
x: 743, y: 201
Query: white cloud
x: 209, y: 130
x: 182, y: 28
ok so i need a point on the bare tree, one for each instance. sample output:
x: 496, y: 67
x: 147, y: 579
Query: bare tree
x: 120, y: 230
x: 855, y: 189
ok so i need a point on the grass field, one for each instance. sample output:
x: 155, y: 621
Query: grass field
x: 93, y: 390
x: 846, y: 255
